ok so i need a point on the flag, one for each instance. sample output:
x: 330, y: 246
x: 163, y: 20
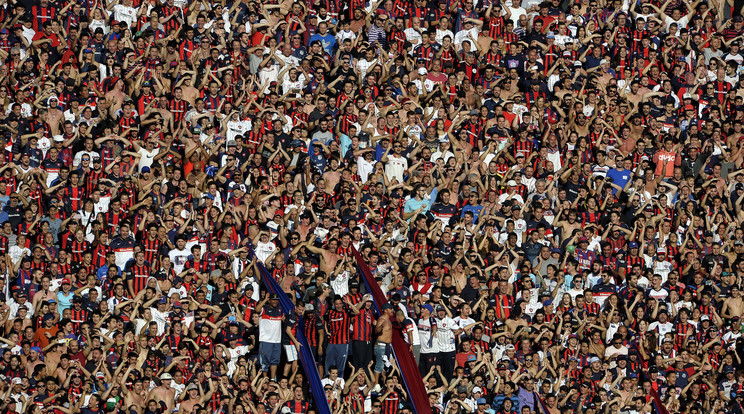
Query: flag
x: 656, y: 401
x: 540, y: 403
x: 306, y: 356
x: 408, y: 367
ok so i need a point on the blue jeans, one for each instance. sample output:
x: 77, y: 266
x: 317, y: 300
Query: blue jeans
x: 381, y: 351
x: 269, y: 354
x: 336, y: 355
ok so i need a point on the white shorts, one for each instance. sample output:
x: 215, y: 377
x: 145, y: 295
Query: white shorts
x: 291, y: 352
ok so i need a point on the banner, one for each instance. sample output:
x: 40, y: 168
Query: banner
x: 541, y: 403
x: 408, y: 367
x: 656, y: 402
x: 306, y: 356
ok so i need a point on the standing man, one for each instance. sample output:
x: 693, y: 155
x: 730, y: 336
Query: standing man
x: 339, y: 324
x: 427, y: 333
x: 384, y: 331
x: 270, y: 333
x: 447, y: 328
x: 361, y: 335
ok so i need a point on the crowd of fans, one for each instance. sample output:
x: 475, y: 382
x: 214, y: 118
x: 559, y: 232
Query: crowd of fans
x: 549, y: 194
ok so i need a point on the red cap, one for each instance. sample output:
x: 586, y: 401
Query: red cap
x: 689, y: 108
x: 66, y: 281
x: 279, y: 212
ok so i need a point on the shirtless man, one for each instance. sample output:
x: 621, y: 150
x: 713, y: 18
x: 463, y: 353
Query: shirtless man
x: 634, y: 96
x: 384, y: 331
x: 136, y: 397
x: 34, y: 359
x: 62, y: 369
x: 116, y: 96
x: 332, y: 175
x: 190, y: 93
x: 328, y: 259
x: 733, y: 306
x: 192, y: 391
x: 569, y: 225
x: 54, y: 117
x: 44, y: 293
x: 164, y: 392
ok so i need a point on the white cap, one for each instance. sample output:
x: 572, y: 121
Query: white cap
x: 511, y: 183
x: 422, y: 71
x: 476, y: 389
x: 58, y: 138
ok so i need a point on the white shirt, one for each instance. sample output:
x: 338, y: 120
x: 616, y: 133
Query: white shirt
x: 445, y: 334
x: 364, y: 65
x: 682, y: 22
x: 160, y: 318
x: 442, y: 33
x: 395, y: 167
x: 14, y: 309
x: 264, y: 250
x: 16, y: 253
x: 413, y: 36
x: 179, y: 258
x: 429, y: 344
x: 464, y: 36
x: 147, y: 157
x: 126, y: 14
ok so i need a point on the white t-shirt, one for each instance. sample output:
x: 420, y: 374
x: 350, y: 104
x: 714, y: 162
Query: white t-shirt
x: 682, y: 22
x: 125, y: 14
x: 235, y: 128
x: 413, y: 36
x: 428, y: 344
x: 179, y: 258
x: 160, y: 318
x: 446, y: 335
x: 147, y: 157
x: 264, y: 250
x: 395, y: 167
